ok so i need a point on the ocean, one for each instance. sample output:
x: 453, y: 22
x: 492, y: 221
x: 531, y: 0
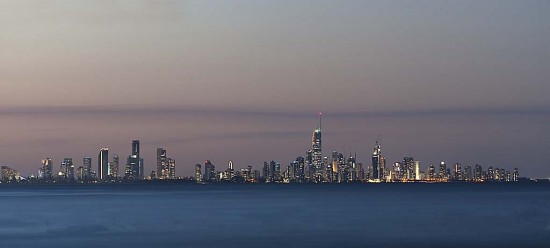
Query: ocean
x: 261, y: 215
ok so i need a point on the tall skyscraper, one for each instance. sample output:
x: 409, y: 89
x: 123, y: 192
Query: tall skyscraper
x: 209, y: 171
x: 300, y: 170
x: 103, y: 164
x: 417, y: 176
x: 478, y: 173
x: 490, y: 174
x: 378, y: 163
x: 431, y: 172
x: 46, y: 170
x: 310, y: 173
x: 230, y: 172
x: 408, y: 168
x: 67, y: 167
x: 467, y: 175
x: 171, y: 168
x: 442, y: 171
x: 162, y: 164
x: 87, y: 169
x: 113, y: 167
x: 265, y: 172
x: 316, y: 143
x: 134, y: 163
x: 396, y: 171
x: 515, y: 175
x: 457, y: 173
x: 198, y: 173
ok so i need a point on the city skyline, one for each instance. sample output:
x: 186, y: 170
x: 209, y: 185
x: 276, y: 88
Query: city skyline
x: 439, y: 80
x: 313, y: 167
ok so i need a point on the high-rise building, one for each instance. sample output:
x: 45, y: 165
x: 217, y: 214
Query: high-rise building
x: 417, y: 176
x: 310, y: 175
x: 378, y: 163
x: 515, y: 175
x: 46, y: 170
x: 162, y: 164
x: 408, y: 168
x: 442, y: 171
x: 67, y: 167
x: 265, y: 172
x: 80, y: 173
x: 431, y: 172
x: 490, y: 174
x: 209, y: 171
x: 134, y: 163
x: 316, y: 143
x: 457, y: 173
x: 87, y: 169
x: 300, y: 170
x: 171, y: 168
x: 467, y: 175
x: 198, y: 173
x: 103, y: 164
x: 230, y: 172
x: 352, y: 167
x: 113, y: 167
x: 478, y: 173
x: 275, y: 172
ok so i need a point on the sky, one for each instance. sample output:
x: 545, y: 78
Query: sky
x: 454, y: 81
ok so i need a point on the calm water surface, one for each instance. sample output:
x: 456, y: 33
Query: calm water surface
x: 371, y: 215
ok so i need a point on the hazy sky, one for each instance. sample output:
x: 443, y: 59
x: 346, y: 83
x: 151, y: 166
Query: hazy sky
x: 455, y: 81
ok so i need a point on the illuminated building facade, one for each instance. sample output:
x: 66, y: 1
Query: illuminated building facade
x: 209, y: 172
x: 103, y: 164
x: 378, y: 163
x: 317, y: 157
x: 134, y: 163
x: 87, y: 168
x: 46, y: 169
x: 198, y: 173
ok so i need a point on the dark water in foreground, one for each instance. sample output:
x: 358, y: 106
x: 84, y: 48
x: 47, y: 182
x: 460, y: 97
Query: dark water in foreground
x: 393, y: 215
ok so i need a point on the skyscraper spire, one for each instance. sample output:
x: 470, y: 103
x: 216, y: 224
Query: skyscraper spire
x: 320, y: 119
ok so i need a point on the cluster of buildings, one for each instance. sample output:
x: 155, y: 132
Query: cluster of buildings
x: 312, y: 168
x: 108, y: 169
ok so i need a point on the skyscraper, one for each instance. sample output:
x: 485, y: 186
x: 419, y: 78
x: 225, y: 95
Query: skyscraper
x: 378, y: 163
x: 442, y: 171
x: 316, y: 143
x: 431, y: 172
x: 478, y: 173
x: 457, y: 174
x: 230, y: 171
x: 417, y: 170
x: 198, y: 173
x: 87, y: 169
x: 113, y: 167
x: 209, y: 171
x: 408, y: 168
x: 171, y: 168
x: 103, y: 164
x: 467, y: 175
x: 46, y: 170
x: 310, y: 175
x: 162, y: 164
x: 67, y: 167
x: 134, y: 163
